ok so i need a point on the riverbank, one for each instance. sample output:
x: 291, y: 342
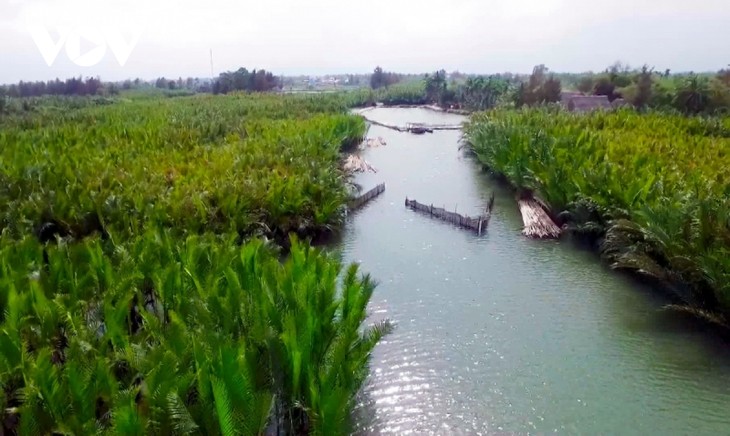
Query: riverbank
x: 645, y: 190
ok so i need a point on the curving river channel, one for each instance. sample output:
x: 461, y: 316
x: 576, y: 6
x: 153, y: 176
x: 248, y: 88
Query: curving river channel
x: 501, y: 334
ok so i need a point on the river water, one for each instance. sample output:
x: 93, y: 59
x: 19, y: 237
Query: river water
x: 501, y: 334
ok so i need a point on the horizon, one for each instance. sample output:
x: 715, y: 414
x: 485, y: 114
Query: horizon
x: 368, y: 73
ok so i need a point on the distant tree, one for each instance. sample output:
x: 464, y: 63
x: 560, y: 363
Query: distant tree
x: 540, y: 88
x: 380, y: 78
x: 644, y: 82
x: 377, y: 80
x: 535, y: 81
x: 619, y: 74
x: 457, y: 75
x: 518, y: 96
x: 585, y: 84
x: 243, y: 80
x: 724, y: 76
x: 604, y: 86
x: 693, y: 96
x: 480, y: 93
x: 110, y: 89
x: 719, y: 96
x: 4, y: 101
x: 662, y: 95
x: 551, y: 90
x: 435, y: 86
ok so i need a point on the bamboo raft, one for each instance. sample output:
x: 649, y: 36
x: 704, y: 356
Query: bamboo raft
x: 418, y: 128
x: 360, y: 201
x: 537, y: 222
x: 477, y: 224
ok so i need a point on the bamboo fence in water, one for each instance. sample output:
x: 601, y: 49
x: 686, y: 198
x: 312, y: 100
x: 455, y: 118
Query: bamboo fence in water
x: 477, y: 224
x: 360, y: 201
x: 417, y: 128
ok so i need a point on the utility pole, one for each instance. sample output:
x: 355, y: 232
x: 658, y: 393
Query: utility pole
x: 212, y: 75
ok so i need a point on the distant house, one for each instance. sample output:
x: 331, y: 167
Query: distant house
x: 619, y: 103
x: 589, y: 103
x: 566, y: 96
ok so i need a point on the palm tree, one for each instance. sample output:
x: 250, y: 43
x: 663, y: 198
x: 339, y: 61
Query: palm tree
x: 693, y: 96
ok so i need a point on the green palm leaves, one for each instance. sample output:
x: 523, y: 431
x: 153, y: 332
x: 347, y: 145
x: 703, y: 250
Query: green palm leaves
x: 652, y: 187
x: 198, y: 336
x: 221, y: 164
x: 164, y: 324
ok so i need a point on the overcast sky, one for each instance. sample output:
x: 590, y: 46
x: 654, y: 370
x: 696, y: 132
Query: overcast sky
x: 152, y: 38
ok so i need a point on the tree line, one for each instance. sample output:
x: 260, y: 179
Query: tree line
x: 485, y: 92
x: 645, y: 88
x: 240, y: 80
x: 461, y: 91
x: 72, y: 86
x: 244, y: 80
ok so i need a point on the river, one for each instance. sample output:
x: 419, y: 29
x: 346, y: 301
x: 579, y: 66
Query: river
x: 501, y: 334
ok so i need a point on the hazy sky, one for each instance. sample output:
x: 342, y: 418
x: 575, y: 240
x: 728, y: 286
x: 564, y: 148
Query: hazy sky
x: 174, y: 37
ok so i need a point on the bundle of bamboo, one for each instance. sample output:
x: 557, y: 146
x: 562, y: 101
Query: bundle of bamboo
x: 537, y: 222
x: 356, y: 164
x: 375, y: 142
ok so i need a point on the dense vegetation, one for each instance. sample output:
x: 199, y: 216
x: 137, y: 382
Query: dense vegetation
x: 383, y: 79
x: 642, y: 88
x: 244, y: 80
x: 652, y: 189
x: 646, y: 88
x: 540, y: 88
x: 134, y: 296
x: 239, y: 164
x: 179, y: 336
x: 72, y: 86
